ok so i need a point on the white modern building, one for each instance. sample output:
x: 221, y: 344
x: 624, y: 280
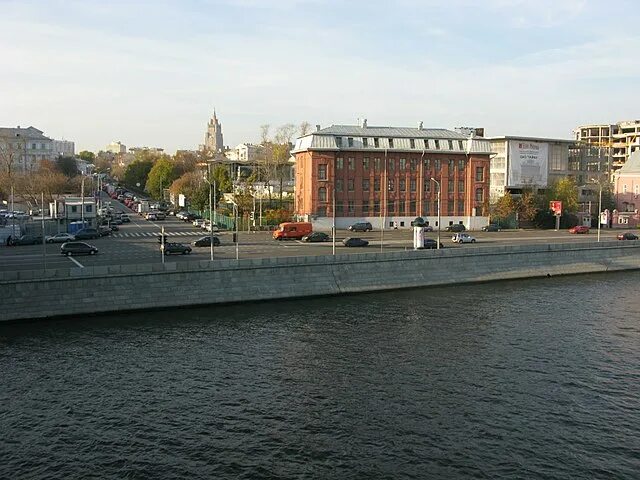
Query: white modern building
x: 63, y: 148
x: 23, y: 149
x: 116, y: 147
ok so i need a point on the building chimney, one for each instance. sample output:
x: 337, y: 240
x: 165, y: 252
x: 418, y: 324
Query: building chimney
x: 363, y: 123
x: 420, y: 126
x: 317, y: 128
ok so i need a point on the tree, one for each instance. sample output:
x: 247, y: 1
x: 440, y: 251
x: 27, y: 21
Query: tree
x: 281, y: 153
x: 67, y: 166
x: 136, y: 173
x: 11, y: 150
x: 305, y: 127
x: 161, y: 176
x: 528, y: 206
x: 505, y: 206
x: 194, y: 188
x: 87, y: 156
x: 565, y: 190
x: 223, y: 181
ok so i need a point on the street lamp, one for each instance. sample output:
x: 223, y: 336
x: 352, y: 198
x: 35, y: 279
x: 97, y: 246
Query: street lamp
x: 438, y: 183
x: 593, y: 180
x: 235, y: 223
x: 208, y: 180
x: 82, y: 201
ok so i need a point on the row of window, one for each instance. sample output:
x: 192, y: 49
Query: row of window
x: 322, y: 191
x: 391, y: 185
x: 34, y: 146
x: 413, y: 143
x: 393, y: 208
x: 402, y: 164
x: 636, y: 189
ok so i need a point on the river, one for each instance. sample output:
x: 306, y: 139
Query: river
x: 518, y: 379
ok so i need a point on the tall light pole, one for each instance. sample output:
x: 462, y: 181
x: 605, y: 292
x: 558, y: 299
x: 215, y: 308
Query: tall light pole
x: 593, y: 180
x: 82, y: 201
x: 211, y: 219
x: 235, y: 211
x: 333, y: 215
x: 438, y: 183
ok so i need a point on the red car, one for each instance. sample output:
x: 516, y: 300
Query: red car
x: 579, y: 229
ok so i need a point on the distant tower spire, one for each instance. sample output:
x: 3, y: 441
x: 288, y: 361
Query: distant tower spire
x: 213, y: 137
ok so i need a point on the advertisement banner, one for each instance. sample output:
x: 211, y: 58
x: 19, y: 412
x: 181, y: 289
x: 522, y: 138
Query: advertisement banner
x: 182, y: 201
x: 556, y: 207
x: 528, y: 164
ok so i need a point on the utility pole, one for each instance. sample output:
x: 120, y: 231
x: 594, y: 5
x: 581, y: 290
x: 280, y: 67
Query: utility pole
x: 383, y: 207
x: 82, y: 201
x: 333, y: 228
x: 44, y: 243
x: 438, y: 184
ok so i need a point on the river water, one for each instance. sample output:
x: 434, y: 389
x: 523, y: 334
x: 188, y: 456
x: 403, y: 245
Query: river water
x: 523, y: 379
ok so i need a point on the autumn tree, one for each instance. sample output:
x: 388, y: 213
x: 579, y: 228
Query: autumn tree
x: 505, y: 206
x: 193, y: 186
x: 565, y: 190
x: 528, y: 206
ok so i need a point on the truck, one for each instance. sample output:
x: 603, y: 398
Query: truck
x: 143, y: 207
x: 292, y: 230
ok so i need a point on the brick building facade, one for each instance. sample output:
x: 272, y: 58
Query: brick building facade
x: 384, y: 174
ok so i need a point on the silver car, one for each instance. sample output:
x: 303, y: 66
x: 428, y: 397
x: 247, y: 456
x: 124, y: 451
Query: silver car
x: 59, y: 238
x: 463, y: 238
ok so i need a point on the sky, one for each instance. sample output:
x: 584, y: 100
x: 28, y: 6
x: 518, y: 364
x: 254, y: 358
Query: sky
x: 150, y: 73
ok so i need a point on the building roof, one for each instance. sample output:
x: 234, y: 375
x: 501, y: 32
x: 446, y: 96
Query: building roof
x: 363, y: 138
x: 532, y: 139
x: 29, y: 132
x: 632, y: 165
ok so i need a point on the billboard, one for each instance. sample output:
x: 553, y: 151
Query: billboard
x: 556, y: 207
x: 528, y: 163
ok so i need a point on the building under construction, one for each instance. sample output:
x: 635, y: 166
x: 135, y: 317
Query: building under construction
x: 618, y: 140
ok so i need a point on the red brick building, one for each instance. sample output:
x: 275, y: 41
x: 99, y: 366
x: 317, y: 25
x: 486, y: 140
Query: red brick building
x: 384, y: 174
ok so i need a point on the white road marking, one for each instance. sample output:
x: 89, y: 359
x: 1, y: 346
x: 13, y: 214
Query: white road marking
x: 76, y: 262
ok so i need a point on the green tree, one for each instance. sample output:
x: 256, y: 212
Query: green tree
x: 87, y: 156
x: 161, y: 176
x: 136, y: 173
x: 565, y: 190
x: 223, y: 181
x: 67, y: 166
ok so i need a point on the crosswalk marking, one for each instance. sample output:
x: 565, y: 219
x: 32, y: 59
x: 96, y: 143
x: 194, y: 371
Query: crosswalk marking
x: 155, y: 234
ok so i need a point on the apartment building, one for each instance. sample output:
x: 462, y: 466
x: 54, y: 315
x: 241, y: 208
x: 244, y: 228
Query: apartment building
x: 620, y: 140
x: 390, y: 175
x: 22, y: 149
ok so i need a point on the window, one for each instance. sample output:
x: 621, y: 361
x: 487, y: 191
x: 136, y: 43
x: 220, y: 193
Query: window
x: 437, y: 162
x: 88, y: 208
x: 322, y: 172
x: 479, y: 174
x: 450, y: 144
x: 460, y: 207
x: 350, y: 142
x: 450, y: 210
x: 365, y: 142
x: 392, y: 164
x: 401, y: 208
x: 427, y: 185
x: 351, y: 163
x: 375, y: 142
x: 376, y: 207
x: 322, y: 194
x: 403, y: 164
x: 391, y: 208
x: 636, y: 190
x: 33, y: 146
x: 412, y: 185
x: 437, y: 144
x: 352, y: 208
x: 391, y: 143
x: 403, y: 185
x: 339, y: 184
x: 460, y: 186
x: 350, y: 185
x: 450, y: 186
x: 321, y: 211
x: 412, y: 208
x: 376, y: 184
x: 365, y: 163
x: 340, y: 163
x: 479, y: 195
x: 365, y: 184
x: 461, y: 164
x: 427, y: 163
x: 74, y: 209
x: 624, y: 188
x: 339, y: 207
x: 460, y: 144
x: 452, y: 165
x: 376, y: 164
x: 392, y: 184
x: 365, y: 208
x: 412, y: 143
x: 339, y: 142
x: 426, y: 207
x: 414, y: 162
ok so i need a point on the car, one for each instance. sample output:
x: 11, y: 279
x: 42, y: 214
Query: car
x: 116, y: 221
x: 160, y: 215
x: 627, y: 236
x: 206, y: 242
x: 77, y: 248
x: 360, y: 227
x: 125, y: 219
x: 354, y: 242
x: 316, y: 237
x: 492, y: 227
x: 59, y: 238
x: 210, y: 227
x: 457, y: 227
x: 151, y: 216
x: 87, y: 234
x: 198, y: 222
x: 579, y: 229
x: 430, y: 243
x: 463, y: 238
x: 190, y: 217
x: 105, y: 231
x: 418, y: 222
x: 26, y: 240
x: 182, y: 214
x: 175, y: 248
x: 114, y: 228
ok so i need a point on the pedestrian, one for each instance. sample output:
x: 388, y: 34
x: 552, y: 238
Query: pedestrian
x: 9, y: 240
x: 395, y: 225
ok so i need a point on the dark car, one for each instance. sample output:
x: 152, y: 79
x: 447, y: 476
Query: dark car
x: 105, y: 231
x: 116, y: 221
x: 26, y: 240
x: 176, y: 248
x: 361, y: 227
x: 430, y: 243
x: 316, y: 237
x: 492, y: 227
x: 190, y: 217
x: 627, y: 236
x: 125, y: 219
x: 77, y: 248
x: 206, y: 242
x: 87, y: 234
x: 458, y: 227
x: 354, y: 242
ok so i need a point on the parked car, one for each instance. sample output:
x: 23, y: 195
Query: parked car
x: 579, y: 229
x: 463, y: 238
x: 60, y: 238
x: 176, y: 248
x: 198, y: 222
x: 206, y: 242
x: 316, y: 237
x: 160, y: 215
x: 210, y: 227
x: 430, y: 243
x: 125, y: 218
x: 77, y: 248
x: 105, y: 231
x: 190, y: 217
x: 116, y: 221
x: 354, y: 242
x: 457, y: 227
x: 87, y: 234
x: 627, y: 236
x: 492, y: 227
x: 360, y: 227
x: 151, y: 216
x: 26, y: 240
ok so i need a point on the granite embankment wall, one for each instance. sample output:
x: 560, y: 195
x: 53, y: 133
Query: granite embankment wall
x: 75, y: 292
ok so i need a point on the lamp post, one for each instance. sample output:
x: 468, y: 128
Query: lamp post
x: 438, y: 183
x: 82, y: 201
x: 235, y: 222
x: 593, y: 180
x: 211, y: 219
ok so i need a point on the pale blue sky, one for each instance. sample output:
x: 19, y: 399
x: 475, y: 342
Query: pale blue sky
x: 150, y: 72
